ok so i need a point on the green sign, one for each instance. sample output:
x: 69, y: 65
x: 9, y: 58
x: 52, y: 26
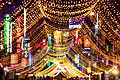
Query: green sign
x: 7, y: 20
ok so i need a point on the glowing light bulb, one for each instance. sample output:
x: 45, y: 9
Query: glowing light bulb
x: 115, y: 72
x: 6, y: 69
x: 89, y: 70
x: 44, y: 40
x: 92, y: 13
x: 1, y: 65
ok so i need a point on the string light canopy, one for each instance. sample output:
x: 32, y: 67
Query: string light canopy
x: 60, y: 11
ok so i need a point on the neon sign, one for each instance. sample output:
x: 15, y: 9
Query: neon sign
x: 7, y: 33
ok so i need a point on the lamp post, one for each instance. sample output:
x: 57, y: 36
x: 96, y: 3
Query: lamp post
x: 99, y: 76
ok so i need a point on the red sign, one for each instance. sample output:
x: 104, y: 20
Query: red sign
x: 86, y: 42
x: 37, y: 45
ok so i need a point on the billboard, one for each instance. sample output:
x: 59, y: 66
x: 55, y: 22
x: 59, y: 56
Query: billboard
x: 57, y: 37
x: 24, y: 62
x: 14, y: 59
